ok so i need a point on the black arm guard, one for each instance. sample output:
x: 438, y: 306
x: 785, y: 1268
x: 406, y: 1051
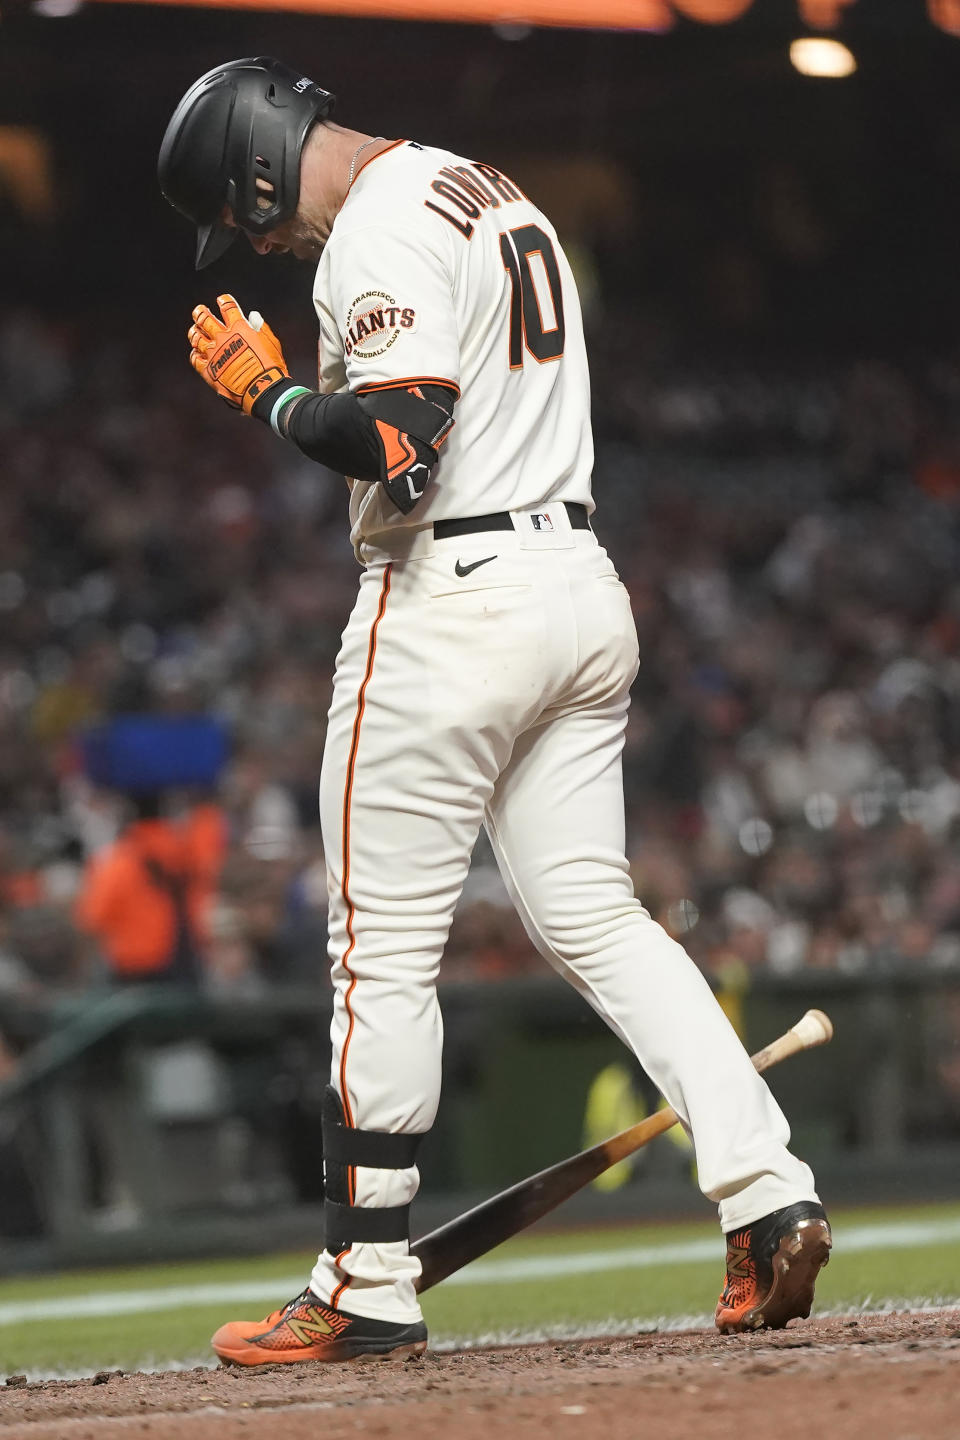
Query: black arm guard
x: 411, y: 425
x: 388, y: 435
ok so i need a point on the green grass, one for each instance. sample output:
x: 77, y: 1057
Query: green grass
x: 616, y: 1297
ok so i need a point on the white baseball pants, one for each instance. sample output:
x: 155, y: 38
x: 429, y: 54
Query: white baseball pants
x: 500, y: 698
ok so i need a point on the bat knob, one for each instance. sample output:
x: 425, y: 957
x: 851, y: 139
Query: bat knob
x: 814, y: 1028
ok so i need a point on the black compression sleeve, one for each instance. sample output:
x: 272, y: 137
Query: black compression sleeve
x: 331, y: 429
x: 334, y: 430
x: 337, y: 430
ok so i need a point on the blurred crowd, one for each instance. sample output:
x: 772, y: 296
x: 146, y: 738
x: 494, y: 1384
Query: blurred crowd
x: 788, y: 532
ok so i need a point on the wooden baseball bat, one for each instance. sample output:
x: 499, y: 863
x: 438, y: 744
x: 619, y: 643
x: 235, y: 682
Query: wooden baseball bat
x: 478, y: 1230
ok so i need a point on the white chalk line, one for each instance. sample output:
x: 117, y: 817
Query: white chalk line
x: 559, y: 1333
x: 899, y: 1235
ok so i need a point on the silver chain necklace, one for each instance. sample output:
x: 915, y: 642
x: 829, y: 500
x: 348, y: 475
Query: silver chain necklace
x: 356, y: 154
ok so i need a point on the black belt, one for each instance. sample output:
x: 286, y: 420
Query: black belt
x: 502, y: 520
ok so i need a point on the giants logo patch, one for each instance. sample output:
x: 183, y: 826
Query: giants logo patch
x: 375, y: 322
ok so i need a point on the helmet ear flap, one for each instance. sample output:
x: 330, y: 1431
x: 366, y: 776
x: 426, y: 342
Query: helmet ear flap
x: 266, y: 163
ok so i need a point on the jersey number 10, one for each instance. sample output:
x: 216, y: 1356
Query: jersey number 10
x: 518, y: 249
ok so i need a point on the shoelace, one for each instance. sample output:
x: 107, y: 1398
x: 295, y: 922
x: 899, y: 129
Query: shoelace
x: 278, y: 1315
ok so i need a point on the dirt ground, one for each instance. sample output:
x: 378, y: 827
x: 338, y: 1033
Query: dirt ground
x: 834, y: 1379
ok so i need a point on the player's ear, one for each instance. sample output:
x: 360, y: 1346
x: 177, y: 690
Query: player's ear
x: 266, y: 199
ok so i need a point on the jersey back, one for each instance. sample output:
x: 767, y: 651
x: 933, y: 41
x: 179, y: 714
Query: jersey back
x: 439, y: 269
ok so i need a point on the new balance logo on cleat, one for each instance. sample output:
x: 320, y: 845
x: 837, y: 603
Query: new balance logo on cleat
x: 314, y: 1322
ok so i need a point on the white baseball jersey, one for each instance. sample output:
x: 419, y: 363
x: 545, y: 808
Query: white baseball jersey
x: 440, y: 269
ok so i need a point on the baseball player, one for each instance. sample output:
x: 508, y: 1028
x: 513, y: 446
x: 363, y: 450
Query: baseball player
x: 483, y: 678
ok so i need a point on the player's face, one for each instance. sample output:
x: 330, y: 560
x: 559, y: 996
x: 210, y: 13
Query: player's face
x: 295, y: 237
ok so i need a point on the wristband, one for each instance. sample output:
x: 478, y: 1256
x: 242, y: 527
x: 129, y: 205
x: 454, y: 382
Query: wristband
x: 292, y: 393
x: 271, y: 406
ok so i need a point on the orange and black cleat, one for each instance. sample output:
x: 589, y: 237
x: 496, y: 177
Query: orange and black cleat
x: 306, y: 1329
x: 772, y: 1268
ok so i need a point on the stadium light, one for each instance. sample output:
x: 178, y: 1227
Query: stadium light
x: 826, y: 59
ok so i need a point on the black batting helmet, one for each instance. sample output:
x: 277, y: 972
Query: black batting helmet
x: 240, y: 123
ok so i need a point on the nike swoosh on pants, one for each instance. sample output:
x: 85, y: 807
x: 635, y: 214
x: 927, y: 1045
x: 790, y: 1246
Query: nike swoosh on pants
x: 465, y: 569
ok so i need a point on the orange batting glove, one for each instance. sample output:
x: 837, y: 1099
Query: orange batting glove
x: 236, y: 358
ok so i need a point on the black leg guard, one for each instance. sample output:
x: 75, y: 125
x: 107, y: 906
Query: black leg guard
x: 344, y: 1148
